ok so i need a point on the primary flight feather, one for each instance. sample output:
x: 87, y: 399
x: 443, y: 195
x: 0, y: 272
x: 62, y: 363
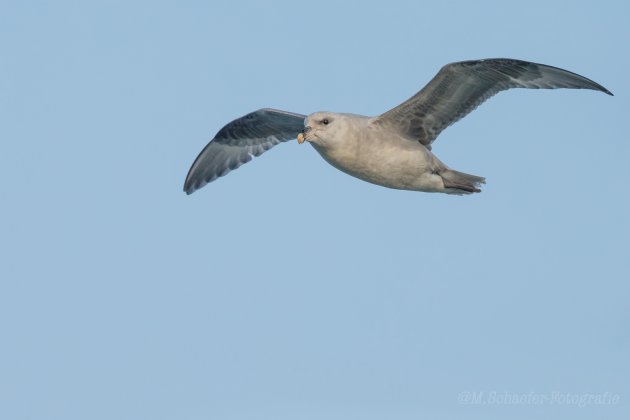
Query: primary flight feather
x: 394, y: 148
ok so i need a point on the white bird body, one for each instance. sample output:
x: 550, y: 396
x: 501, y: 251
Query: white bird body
x: 367, y: 151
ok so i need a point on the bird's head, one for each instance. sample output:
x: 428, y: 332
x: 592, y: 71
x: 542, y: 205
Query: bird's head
x: 322, y: 128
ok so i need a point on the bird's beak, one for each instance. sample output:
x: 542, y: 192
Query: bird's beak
x: 301, y: 138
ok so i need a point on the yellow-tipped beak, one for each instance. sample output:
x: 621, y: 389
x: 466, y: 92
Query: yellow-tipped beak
x: 300, y: 138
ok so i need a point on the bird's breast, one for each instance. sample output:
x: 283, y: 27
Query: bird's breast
x: 390, y: 162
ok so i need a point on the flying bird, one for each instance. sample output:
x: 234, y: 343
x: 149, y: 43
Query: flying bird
x: 393, y: 149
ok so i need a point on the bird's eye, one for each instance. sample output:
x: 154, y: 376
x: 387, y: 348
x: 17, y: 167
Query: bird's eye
x: 325, y: 121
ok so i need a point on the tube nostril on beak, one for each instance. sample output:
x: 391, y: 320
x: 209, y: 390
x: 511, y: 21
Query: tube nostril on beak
x: 301, y: 137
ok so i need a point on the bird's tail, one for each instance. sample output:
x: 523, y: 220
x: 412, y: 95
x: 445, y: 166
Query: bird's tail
x: 459, y: 183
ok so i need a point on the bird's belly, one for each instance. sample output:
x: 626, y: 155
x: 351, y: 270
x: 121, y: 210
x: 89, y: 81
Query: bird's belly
x: 406, y: 167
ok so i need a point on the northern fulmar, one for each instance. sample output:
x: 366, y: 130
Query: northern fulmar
x: 393, y: 149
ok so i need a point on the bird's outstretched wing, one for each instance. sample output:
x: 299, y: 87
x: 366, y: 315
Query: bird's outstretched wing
x: 460, y: 87
x: 239, y: 141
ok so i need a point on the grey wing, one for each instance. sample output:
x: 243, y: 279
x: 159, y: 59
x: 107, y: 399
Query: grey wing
x: 460, y: 87
x: 241, y: 140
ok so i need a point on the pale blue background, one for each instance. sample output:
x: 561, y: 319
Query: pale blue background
x: 288, y: 290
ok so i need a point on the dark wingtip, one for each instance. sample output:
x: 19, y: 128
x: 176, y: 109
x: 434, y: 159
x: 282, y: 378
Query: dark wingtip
x: 596, y: 86
x: 188, y: 187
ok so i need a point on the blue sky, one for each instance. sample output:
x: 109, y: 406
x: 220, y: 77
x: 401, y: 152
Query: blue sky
x: 289, y: 290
